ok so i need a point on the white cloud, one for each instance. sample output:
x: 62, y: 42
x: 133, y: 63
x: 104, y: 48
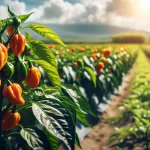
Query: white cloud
x: 16, y: 6
x: 3, y: 12
x: 112, y: 12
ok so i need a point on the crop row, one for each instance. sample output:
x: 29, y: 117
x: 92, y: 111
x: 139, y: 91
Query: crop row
x: 136, y: 108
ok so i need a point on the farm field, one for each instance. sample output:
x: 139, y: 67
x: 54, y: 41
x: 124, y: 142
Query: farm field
x: 116, y: 75
x: 75, y: 96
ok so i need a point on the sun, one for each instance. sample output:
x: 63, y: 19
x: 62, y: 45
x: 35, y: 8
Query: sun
x: 145, y: 4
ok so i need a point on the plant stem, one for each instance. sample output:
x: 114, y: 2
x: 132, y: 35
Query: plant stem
x: 13, y: 133
x: 1, y: 105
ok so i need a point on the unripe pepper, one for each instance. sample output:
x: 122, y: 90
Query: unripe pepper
x: 3, y: 55
x: 20, y: 70
x: 8, y: 70
x: 13, y: 94
x: 33, y: 77
x: 17, y: 44
x: 10, y: 120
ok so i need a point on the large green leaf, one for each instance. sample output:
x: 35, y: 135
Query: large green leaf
x: 51, y: 72
x: 35, y: 138
x: 74, y: 93
x: 42, y: 51
x: 91, y: 73
x: 51, y: 114
x: 46, y: 32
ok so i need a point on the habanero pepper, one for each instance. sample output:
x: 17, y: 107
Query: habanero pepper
x: 13, y: 94
x: 10, y: 120
x: 3, y: 55
x: 17, y: 44
x: 8, y: 70
x: 33, y: 77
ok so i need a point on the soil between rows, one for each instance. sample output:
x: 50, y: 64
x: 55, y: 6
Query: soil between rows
x: 98, y: 138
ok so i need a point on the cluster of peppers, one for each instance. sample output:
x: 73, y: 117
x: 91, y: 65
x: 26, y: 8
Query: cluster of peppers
x: 14, y: 72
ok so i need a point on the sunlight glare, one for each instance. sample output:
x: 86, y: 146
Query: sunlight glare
x: 145, y: 4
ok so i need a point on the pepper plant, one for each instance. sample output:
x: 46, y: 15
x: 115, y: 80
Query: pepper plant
x: 35, y: 114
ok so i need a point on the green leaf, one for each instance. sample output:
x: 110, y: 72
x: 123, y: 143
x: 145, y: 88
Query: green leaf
x: 112, y: 138
x: 53, y: 116
x: 24, y: 17
x: 91, y: 73
x: 28, y: 36
x: 35, y: 138
x: 42, y: 51
x: 51, y: 138
x: 2, y: 23
x: 46, y: 32
x: 75, y: 94
x: 51, y: 72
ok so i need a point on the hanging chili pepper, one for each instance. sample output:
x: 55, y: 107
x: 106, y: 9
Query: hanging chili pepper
x: 10, y: 120
x: 13, y: 94
x: 33, y: 77
x: 3, y: 55
x: 17, y: 44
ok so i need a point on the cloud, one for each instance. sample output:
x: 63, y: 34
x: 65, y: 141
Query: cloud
x: 122, y: 13
x: 16, y: 6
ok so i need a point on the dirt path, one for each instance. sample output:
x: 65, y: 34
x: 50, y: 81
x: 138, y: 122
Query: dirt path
x: 97, y: 139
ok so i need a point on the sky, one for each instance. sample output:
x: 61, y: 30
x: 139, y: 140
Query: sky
x: 134, y: 14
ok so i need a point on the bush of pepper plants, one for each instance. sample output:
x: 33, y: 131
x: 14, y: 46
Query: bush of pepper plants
x: 35, y: 114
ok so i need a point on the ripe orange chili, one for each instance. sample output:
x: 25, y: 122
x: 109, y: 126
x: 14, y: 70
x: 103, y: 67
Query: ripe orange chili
x: 101, y: 65
x: 13, y: 94
x: 106, y: 52
x: 17, y: 44
x: 75, y: 64
x: 10, y: 120
x: 33, y: 77
x: 3, y: 55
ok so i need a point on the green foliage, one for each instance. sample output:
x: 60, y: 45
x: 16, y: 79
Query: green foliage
x: 136, y: 106
x: 46, y: 32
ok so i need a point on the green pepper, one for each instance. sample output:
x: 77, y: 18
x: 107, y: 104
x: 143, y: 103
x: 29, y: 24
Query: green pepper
x: 8, y: 70
x: 20, y: 69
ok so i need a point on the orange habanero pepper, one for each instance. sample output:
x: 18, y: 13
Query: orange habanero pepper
x: 33, y: 77
x: 10, y: 120
x: 13, y: 94
x: 3, y: 55
x: 17, y: 44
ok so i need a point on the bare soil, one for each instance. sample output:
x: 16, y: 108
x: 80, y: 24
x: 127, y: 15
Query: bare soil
x: 98, y: 138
